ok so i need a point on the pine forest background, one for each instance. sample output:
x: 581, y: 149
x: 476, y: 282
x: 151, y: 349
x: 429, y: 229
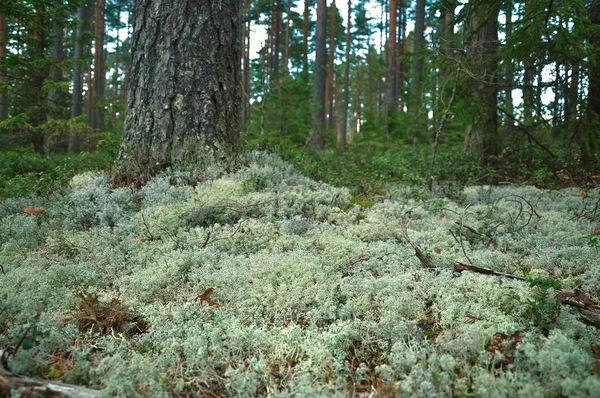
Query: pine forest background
x: 502, y: 90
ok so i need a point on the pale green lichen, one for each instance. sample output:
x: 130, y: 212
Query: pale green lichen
x: 316, y: 296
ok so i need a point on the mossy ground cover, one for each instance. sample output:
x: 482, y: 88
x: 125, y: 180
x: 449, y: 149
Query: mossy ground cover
x: 264, y: 282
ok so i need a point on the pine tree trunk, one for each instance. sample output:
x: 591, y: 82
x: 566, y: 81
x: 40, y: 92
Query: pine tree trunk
x: 185, y: 84
x: 286, y: 52
x: 510, y: 76
x: 418, y: 60
x: 528, y: 70
x: 56, y: 95
x: 317, y: 138
x: 305, y: 37
x: 481, y: 136
x: 77, y: 92
x: 329, y: 106
x: 3, y: 37
x: 344, y: 131
x: 392, y: 71
x: 590, y: 136
x: 99, y: 80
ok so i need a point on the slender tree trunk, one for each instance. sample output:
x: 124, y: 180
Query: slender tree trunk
x: 329, y: 105
x: 185, y: 84
x: 286, y: 52
x: 38, y: 116
x: 402, y: 64
x: 317, y: 138
x: 418, y: 60
x: 3, y: 38
x: 305, y: 37
x: 589, y: 138
x: 344, y: 130
x: 276, y: 41
x: 245, y: 63
x: 99, y: 82
x: 55, y: 95
x: 528, y: 71
x: 77, y: 93
x: 392, y: 71
x: 510, y: 75
x: 481, y: 135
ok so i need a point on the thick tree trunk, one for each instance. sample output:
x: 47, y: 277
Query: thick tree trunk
x: 77, y: 93
x: 344, y: 131
x: 481, y: 135
x: 3, y: 37
x: 317, y: 138
x: 185, y: 84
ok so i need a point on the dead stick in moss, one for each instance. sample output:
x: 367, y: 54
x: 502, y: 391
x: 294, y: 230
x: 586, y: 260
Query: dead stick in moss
x: 460, y: 267
x: 425, y: 262
x: 589, y: 315
x: 33, y: 388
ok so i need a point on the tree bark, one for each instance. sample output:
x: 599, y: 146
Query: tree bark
x: 481, y: 136
x: 589, y: 139
x: 185, y: 84
x: 392, y: 70
x: 99, y: 80
x: 329, y: 105
x: 3, y: 38
x: 418, y: 60
x: 317, y: 138
x: 305, y: 37
x: 344, y: 131
x: 77, y: 93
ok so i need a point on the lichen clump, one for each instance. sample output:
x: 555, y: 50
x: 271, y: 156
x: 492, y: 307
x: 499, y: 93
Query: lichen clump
x: 263, y: 282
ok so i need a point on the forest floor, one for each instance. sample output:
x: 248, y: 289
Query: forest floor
x: 261, y: 281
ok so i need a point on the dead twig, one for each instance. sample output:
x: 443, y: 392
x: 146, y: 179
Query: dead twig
x: 460, y: 267
x: 425, y: 262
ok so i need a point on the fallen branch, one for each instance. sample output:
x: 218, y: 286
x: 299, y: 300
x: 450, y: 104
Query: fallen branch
x: 587, y: 314
x: 460, y: 267
x: 32, y: 388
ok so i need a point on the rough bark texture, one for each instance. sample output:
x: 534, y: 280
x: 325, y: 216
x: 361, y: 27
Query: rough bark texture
x: 185, y: 86
x: 481, y: 135
x: 317, y: 138
x: 3, y: 102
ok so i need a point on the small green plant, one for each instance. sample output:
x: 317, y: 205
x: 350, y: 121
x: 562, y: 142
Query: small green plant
x: 543, y: 309
x: 592, y: 240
